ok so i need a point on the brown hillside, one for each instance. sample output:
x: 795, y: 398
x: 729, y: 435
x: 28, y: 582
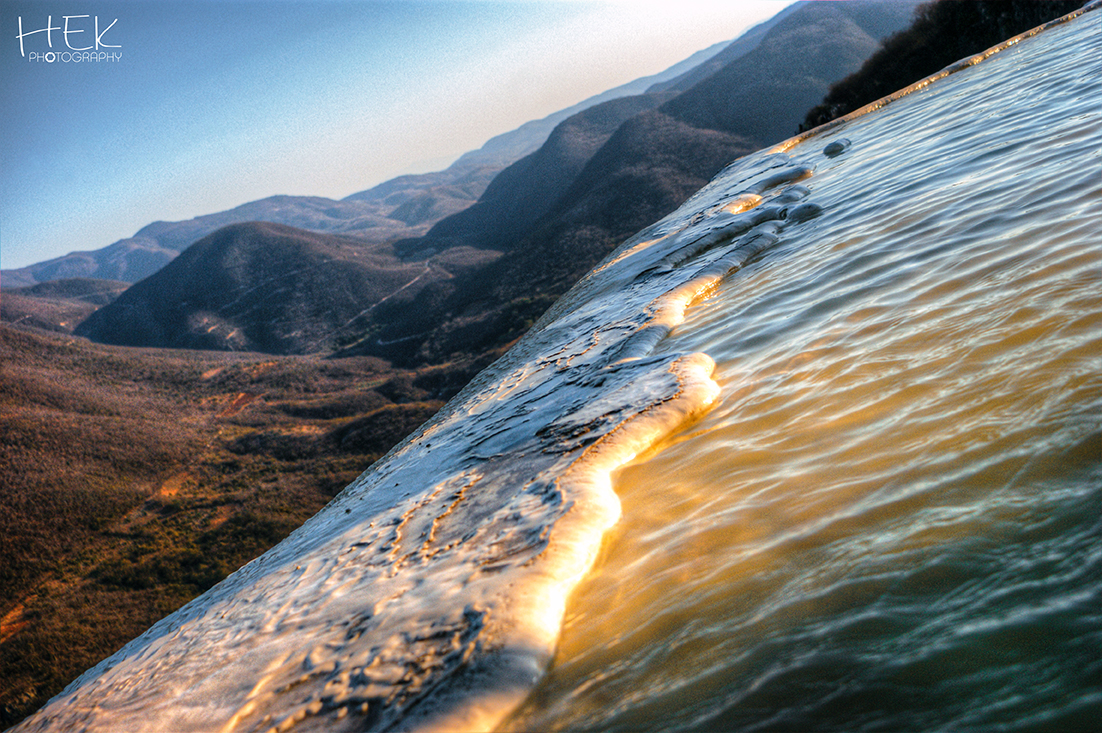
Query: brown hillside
x: 58, y: 305
x: 131, y: 480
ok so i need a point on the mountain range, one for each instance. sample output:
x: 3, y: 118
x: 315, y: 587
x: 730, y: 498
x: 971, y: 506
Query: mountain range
x: 397, y: 208
x: 560, y: 226
x: 441, y: 274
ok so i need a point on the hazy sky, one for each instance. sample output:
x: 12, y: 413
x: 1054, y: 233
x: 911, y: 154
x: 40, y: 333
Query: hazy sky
x: 214, y: 103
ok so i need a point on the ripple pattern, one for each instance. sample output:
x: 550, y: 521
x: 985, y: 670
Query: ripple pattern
x: 891, y: 520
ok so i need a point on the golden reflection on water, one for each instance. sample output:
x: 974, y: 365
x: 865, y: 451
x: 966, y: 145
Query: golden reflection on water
x: 911, y: 393
x: 879, y: 439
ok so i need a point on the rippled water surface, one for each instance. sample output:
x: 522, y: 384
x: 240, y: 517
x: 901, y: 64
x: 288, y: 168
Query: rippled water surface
x: 892, y: 520
x: 885, y: 513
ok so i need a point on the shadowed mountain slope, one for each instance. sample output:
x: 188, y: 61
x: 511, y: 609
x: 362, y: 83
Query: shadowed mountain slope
x: 526, y: 190
x: 644, y: 169
x: 261, y: 287
x: 769, y: 88
x: 740, y: 46
x: 942, y: 33
x: 507, y: 148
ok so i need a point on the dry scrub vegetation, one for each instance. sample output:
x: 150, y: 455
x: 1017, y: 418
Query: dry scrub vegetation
x: 131, y: 480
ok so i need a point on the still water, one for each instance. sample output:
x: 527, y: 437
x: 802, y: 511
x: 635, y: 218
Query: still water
x: 892, y: 518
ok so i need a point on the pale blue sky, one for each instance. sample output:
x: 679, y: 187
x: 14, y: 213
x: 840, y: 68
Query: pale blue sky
x: 213, y: 104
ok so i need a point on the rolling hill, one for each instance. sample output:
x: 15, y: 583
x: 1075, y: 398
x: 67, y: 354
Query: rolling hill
x: 259, y: 286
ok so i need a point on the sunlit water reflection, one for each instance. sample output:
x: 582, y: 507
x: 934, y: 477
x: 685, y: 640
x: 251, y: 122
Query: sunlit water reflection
x: 891, y: 520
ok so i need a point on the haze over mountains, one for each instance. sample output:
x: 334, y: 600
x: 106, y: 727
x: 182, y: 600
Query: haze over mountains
x: 646, y: 168
x: 484, y: 272
x: 395, y: 208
